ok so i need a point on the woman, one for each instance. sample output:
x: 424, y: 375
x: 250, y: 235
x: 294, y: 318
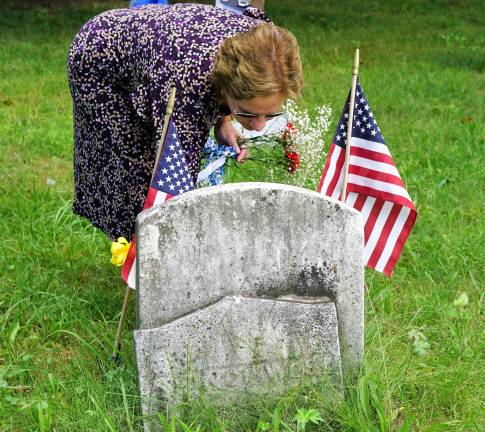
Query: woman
x: 121, y: 67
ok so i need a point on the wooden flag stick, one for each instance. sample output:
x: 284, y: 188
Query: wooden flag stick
x: 168, y: 112
x: 348, y: 143
x: 116, y: 349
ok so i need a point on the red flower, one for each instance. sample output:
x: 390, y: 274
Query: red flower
x: 293, y: 161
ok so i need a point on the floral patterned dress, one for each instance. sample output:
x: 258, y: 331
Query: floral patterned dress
x: 121, y: 67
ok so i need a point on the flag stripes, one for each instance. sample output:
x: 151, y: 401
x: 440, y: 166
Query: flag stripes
x: 128, y: 271
x: 332, y: 174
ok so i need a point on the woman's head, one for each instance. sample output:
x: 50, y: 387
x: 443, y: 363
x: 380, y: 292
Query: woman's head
x: 263, y: 61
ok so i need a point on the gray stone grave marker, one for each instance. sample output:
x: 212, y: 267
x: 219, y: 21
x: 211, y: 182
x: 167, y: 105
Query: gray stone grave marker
x: 242, y: 286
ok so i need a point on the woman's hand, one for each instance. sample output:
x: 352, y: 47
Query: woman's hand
x: 226, y: 135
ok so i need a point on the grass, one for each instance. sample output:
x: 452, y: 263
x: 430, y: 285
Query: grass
x: 423, y: 71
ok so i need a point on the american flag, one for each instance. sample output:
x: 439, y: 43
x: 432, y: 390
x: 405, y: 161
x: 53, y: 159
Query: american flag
x: 172, y: 177
x: 374, y: 185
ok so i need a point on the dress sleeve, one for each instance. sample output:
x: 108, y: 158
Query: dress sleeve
x: 256, y: 14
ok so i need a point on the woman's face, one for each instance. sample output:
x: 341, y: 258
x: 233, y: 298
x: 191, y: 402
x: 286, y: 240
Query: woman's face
x: 258, y: 109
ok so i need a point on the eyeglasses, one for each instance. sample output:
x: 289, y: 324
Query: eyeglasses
x: 251, y: 115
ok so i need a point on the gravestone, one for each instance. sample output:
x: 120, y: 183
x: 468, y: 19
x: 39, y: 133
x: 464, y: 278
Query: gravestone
x: 245, y: 287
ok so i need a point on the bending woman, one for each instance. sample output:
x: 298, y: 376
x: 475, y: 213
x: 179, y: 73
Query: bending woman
x: 121, y: 67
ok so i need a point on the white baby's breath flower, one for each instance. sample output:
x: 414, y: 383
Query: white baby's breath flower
x: 311, y: 131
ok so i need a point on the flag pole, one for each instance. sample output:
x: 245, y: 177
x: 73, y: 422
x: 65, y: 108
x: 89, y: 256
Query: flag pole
x: 168, y: 112
x: 348, y: 143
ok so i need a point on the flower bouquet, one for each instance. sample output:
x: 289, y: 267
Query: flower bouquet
x: 277, y: 150
x: 290, y: 150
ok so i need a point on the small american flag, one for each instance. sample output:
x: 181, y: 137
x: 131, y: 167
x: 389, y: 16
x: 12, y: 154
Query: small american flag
x: 172, y: 177
x: 374, y: 186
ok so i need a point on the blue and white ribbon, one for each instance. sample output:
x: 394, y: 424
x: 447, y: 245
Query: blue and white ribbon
x: 215, y: 159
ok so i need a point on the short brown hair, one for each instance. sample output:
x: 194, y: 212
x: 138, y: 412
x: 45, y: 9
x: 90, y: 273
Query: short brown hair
x: 263, y: 61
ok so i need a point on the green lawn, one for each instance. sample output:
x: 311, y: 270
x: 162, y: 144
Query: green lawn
x: 422, y: 67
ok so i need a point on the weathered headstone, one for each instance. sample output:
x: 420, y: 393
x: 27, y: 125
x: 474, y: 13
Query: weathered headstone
x: 240, y: 283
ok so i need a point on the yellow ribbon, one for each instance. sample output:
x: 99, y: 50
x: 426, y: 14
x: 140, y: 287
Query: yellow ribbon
x: 119, y: 251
